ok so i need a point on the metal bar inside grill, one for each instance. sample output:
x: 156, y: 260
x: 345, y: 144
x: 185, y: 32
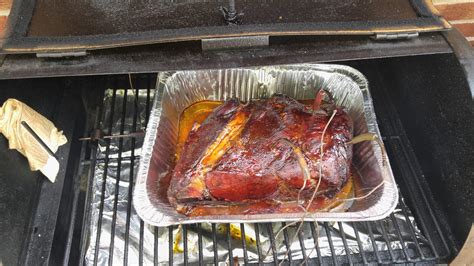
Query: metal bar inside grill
x: 244, y: 244
x: 287, y: 242
x: 155, y: 255
x: 200, y: 244
x: 259, y: 244
x: 214, y: 244
x: 185, y: 244
x: 372, y: 240
x: 316, y: 240
x: 344, y: 241
x: 359, y: 243
x: 302, y: 245
x: 170, y: 246
x: 397, y: 228
x: 131, y: 178
x: 395, y: 239
x: 117, y: 181
x: 101, y: 207
x: 229, y: 245
x: 272, y: 241
x: 331, y: 244
x: 385, y: 237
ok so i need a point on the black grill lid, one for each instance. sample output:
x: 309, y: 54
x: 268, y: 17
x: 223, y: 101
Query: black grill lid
x: 37, y: 26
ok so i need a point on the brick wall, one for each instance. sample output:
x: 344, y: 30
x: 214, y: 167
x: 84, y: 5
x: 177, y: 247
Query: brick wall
x: 5, y: 6
x: 460, y: 13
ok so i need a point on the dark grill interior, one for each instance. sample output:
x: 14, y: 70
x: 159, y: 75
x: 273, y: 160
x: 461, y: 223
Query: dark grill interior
x: 124, y: 105
x: 430, y: 156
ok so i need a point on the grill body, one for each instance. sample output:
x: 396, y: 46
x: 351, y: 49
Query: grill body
x: 423, y: 105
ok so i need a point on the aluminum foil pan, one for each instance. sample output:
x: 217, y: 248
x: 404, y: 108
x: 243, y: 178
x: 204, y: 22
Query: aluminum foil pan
x: 178, y: 90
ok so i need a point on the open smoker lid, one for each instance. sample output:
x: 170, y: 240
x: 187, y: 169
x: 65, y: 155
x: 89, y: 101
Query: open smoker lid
x: 42, y: 26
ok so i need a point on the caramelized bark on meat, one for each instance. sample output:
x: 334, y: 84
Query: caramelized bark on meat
x: 244, y: 155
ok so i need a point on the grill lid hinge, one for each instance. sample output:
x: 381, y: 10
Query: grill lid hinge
x: 395, y: 36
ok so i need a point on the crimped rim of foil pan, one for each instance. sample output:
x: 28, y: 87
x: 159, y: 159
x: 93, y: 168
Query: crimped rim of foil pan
x: 158, y: 213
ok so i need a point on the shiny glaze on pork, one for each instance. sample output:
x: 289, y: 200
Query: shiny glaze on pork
x: 242, y: 158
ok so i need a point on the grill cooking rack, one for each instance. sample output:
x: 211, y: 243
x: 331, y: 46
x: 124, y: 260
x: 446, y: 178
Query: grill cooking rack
x: 426, y: 244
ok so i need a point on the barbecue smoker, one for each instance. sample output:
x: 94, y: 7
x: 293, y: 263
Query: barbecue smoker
x: 92, y: 68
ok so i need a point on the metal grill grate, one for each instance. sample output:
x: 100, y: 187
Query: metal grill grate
x: 113, y: 233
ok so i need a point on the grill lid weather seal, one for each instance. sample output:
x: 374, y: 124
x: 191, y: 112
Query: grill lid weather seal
x: 38, y: 26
